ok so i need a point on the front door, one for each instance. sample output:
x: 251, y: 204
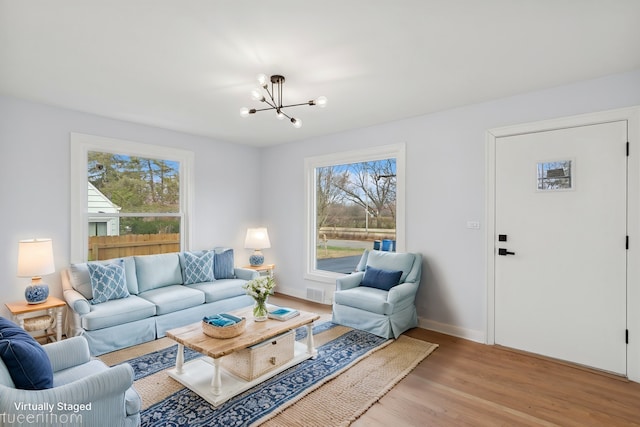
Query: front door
x: 560, y: 259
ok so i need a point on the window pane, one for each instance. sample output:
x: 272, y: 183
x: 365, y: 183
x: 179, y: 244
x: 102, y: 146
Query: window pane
x: 355, y: 210
x: 127, y: 197
x: 133, y: 184
x: 138, y: 236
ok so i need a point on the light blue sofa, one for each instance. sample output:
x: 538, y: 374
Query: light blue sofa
x: 78, y: 380
x: 386, y: 313
x: 158, y: 300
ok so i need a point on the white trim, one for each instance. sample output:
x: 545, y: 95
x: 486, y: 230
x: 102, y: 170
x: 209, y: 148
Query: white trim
x: 81, y: 144
x: 456, y: 331
x: 397, y: 151
x: 632, y: 116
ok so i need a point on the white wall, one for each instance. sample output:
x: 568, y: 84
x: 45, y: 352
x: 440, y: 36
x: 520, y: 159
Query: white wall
x: 445, y: 188
x: 34, y: 194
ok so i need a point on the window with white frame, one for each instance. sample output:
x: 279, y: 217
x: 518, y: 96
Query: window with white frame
x: 127, y: 198
x: 355, y: 201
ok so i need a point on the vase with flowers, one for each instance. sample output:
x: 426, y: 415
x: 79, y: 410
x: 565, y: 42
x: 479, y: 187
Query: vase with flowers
x: 259, y: 289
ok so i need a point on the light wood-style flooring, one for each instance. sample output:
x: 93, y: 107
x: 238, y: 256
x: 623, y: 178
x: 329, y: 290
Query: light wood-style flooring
x: 464, y: 383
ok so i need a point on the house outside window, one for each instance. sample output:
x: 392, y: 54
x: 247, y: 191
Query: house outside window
x: 355, y: 201
x: 135, y: 199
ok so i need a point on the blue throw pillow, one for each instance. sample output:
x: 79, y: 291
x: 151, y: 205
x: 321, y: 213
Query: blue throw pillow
x: 223, y: 264
x: 107, y: 281
x: 25, y: 359
x: 380, y: 279
x: 197, y: 268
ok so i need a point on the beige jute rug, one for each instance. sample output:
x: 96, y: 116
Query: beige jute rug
x: 338, y: 401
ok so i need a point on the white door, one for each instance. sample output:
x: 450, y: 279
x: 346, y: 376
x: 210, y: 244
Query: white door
x: 560, y: 283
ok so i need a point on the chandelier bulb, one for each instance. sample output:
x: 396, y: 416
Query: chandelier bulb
x: 297, y: 123
x: 262, y: 80
x: 256, y: 95
x: 279, y: 114
x: 244, y: 112
x: 321, y: 101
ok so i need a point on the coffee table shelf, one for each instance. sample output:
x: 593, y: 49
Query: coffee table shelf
x: 221, y: 385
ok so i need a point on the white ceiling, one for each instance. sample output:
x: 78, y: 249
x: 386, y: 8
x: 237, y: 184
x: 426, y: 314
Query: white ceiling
x: 189, y: 65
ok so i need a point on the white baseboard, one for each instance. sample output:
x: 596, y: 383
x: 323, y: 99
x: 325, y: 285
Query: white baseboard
x: 456, y: 331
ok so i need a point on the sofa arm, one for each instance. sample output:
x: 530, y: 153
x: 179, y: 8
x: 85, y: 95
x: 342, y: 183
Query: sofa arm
x: 76, y: 301
x: 90, y: 389
x: 402, y: 291
x: 349, y: 281
x: 246, y: 273
x: 64, y: 354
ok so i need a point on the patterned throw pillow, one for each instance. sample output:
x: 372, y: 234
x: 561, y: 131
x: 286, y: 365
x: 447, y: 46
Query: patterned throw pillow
x: 198, y: 268
x: 223, y: 264
x: 107, y: 282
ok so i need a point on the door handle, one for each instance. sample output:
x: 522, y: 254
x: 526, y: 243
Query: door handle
x: 504, y: 252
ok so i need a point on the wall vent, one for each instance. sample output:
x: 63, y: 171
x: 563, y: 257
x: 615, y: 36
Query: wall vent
x: 315, y: 294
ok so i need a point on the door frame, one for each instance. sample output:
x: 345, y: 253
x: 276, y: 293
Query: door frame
x: 632, y: 116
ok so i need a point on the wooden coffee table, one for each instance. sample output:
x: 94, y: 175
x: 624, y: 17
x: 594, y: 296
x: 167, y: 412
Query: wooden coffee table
x: 220, y: 386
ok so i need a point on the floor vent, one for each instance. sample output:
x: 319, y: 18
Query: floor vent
x: 315, y: 294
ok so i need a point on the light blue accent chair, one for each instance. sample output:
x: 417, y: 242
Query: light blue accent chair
x: 77, y: 380
x: 384, y: 313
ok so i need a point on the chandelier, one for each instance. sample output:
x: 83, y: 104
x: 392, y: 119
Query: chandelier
x: 274, y: 98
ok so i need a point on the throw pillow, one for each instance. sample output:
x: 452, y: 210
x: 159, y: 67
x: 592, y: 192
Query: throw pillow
x: 198, y: 268
x: 107, y: 282
x: 26, y: 360
x: 380, y: 279
x: 223, y: 264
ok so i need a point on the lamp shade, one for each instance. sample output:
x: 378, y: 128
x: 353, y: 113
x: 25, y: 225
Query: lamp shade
x: 35, y: 258
x: 257, y: 238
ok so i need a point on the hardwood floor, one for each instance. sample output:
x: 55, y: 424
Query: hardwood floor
x: 467, y: 383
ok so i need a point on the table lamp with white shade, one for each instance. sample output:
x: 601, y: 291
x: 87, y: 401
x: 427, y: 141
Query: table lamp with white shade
x: 35, y: 259
x: 257, y: 239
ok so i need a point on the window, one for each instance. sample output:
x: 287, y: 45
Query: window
x: 127, y: 198
x: 355, y: 201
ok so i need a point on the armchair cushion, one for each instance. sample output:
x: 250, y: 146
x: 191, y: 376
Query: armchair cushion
x: 24, y: 357
x: 381, y: 279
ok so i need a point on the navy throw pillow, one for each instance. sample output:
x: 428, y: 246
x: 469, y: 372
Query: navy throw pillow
x: 25, y: 359
x: 380, y: 279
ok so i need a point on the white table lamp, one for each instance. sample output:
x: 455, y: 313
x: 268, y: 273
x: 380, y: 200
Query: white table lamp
x: 35, y: 259
x: 257, y: 239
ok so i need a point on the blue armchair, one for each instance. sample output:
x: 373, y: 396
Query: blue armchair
x: 85, y: 392
x: 369, y: 299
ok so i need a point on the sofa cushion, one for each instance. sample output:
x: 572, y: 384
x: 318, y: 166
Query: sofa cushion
x: 117, y: 312
x: 197, y: 267
x: 173, y: 298
x: 25, y: 359
x: 223, y: 264
x: 156, y: 271
x: 108, y: 281
x: 392, y: 261
x: 380, y: 279
x: 220, y: 289
x: 81, y: 282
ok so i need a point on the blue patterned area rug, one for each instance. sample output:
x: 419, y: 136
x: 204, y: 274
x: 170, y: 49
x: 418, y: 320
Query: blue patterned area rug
x: 185, y: 408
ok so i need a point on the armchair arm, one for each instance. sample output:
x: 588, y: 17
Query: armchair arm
x: 402, y: 291
x: 246, y: 273
x: 349, y: 281
x: 70, y: 352
x: 90, y: 389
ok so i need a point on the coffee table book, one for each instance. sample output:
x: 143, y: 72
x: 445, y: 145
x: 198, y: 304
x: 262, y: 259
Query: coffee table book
x: 283, y: 313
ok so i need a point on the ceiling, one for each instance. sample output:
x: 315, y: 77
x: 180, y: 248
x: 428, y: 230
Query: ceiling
x: 189, y: 65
